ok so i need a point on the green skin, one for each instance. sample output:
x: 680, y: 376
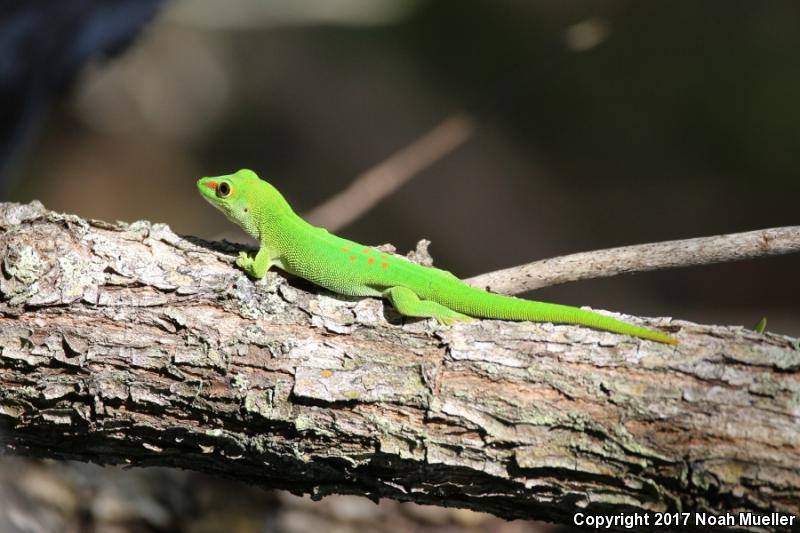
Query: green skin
x: 346, y: 267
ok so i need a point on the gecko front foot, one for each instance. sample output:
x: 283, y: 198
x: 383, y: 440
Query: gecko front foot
x: 246, y: 263
x: 256, y: 267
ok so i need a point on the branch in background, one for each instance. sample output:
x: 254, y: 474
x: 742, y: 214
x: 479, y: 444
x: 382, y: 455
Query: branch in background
x: 381, y: 181
x: 127, y: 344
x: 641, y: 258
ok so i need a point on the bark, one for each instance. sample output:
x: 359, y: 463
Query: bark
x: 127, y: 344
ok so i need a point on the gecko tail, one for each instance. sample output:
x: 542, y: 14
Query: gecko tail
x: 482, y: 304
x: 563, y: 314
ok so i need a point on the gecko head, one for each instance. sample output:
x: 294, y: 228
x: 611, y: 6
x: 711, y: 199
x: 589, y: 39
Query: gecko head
x: 243, y: 197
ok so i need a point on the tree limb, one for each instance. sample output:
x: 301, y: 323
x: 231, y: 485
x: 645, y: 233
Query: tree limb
x: 127, y: 344
x: 641, y: 258
x: 385, y: 178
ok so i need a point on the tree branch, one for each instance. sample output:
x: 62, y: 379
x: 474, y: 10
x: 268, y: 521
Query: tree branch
x: 127, y: 344
x: 383, y: 179
x: 641, y: 258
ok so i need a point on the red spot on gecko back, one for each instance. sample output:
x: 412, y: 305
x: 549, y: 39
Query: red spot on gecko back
x: 384, y: 265
x: 345, y: 249
x: 365, y: 250
x: 383, y: 256
x: 352, y: 258
x: 371, y: 260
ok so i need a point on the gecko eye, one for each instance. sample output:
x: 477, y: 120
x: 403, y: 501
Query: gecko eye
x: 223, y: 190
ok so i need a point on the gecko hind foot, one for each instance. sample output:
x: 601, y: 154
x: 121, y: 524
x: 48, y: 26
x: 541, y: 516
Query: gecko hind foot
x: 408, y: 303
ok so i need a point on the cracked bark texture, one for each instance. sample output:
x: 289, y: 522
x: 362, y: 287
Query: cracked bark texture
x: 128, y: 344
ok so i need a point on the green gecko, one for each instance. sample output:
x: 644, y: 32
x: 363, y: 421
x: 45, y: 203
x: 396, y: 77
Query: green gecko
x: 346, y: 267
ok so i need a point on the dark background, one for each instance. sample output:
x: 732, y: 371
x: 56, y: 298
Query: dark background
x: 682, y: 121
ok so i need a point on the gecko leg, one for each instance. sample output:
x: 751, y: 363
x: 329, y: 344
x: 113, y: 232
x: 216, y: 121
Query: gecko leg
x: 408, y: 303
x: 257, y: 267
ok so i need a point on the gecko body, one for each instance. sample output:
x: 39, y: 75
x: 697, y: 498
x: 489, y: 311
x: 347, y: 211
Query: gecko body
x: 290, y: 243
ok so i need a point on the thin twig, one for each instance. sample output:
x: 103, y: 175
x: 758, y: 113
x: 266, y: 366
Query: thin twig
x: 641, y: 258
x: 385, y: 178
